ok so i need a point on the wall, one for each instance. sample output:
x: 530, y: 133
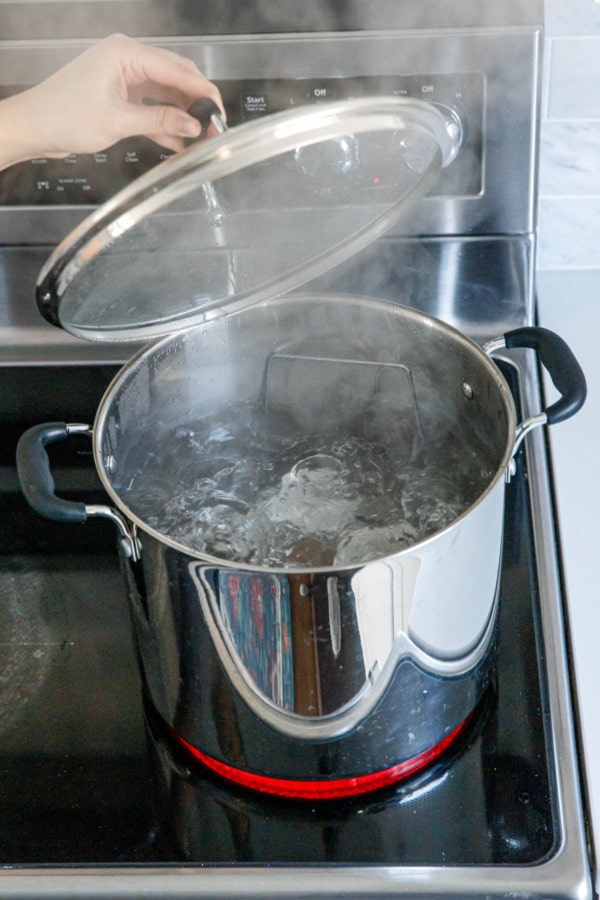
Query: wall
x: 570, y: 148
x: 568, y: 291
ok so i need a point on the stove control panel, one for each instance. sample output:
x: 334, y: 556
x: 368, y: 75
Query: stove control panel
x: 82, y: 180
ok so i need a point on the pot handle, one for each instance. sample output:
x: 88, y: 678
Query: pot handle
x: 37, y: 483
x: 560, y: 363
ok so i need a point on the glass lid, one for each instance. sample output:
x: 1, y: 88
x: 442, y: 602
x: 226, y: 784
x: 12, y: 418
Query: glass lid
x: 244, y: 216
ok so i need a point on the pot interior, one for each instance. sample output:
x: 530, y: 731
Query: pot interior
x: 308, y: 431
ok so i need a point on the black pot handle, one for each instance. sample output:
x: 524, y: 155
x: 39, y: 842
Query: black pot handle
x: 33, y: 467
x: 37, y: 484
x: 560, y: 363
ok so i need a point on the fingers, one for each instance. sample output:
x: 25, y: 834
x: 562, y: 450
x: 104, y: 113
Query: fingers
x: 172, y: 80
x: 167, y: 125
x: 142, y: 62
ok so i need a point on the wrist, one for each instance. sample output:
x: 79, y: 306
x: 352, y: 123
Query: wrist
x: 17, y: 140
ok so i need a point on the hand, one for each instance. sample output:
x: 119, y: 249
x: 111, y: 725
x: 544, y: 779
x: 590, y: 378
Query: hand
x: 96, y: 100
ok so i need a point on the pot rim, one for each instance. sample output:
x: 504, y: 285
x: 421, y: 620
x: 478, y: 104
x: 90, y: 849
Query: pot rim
x: 150, y: 349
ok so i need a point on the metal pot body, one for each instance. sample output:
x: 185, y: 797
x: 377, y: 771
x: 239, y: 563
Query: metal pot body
x: 316, y: 673
x: 302, y: 688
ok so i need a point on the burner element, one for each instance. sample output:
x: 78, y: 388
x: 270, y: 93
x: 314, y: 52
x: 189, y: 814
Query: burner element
x: 330, y: 789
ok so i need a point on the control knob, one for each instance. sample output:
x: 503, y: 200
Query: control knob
x: 454, y: 128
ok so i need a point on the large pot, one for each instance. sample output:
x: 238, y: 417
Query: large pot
x: 301, y: 679
x: 315, y: 681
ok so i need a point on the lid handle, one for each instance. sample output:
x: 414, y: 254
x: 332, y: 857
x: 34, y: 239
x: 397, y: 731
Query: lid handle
x: 208, y: 113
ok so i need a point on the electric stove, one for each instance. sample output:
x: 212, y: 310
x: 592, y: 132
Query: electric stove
x: 95, y: 800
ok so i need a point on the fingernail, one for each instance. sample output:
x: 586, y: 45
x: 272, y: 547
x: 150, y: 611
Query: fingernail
x: 189, y: 128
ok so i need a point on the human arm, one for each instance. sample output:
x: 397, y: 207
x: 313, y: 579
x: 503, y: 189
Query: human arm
x: 96, y: 100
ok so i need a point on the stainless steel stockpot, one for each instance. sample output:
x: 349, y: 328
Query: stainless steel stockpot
x: 323, y: 681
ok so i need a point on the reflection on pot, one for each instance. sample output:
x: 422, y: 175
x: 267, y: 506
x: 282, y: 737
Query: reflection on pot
x: 312, y: 655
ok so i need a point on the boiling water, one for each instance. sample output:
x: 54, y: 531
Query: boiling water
x: 247, y: 491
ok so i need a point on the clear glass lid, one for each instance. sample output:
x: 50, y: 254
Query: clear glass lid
x: 244, y: 216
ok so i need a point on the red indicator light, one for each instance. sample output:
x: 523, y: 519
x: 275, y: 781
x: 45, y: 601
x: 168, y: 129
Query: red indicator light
x: 376, y: 179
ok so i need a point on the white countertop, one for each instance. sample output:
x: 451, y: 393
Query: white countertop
x: 569, y: 303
